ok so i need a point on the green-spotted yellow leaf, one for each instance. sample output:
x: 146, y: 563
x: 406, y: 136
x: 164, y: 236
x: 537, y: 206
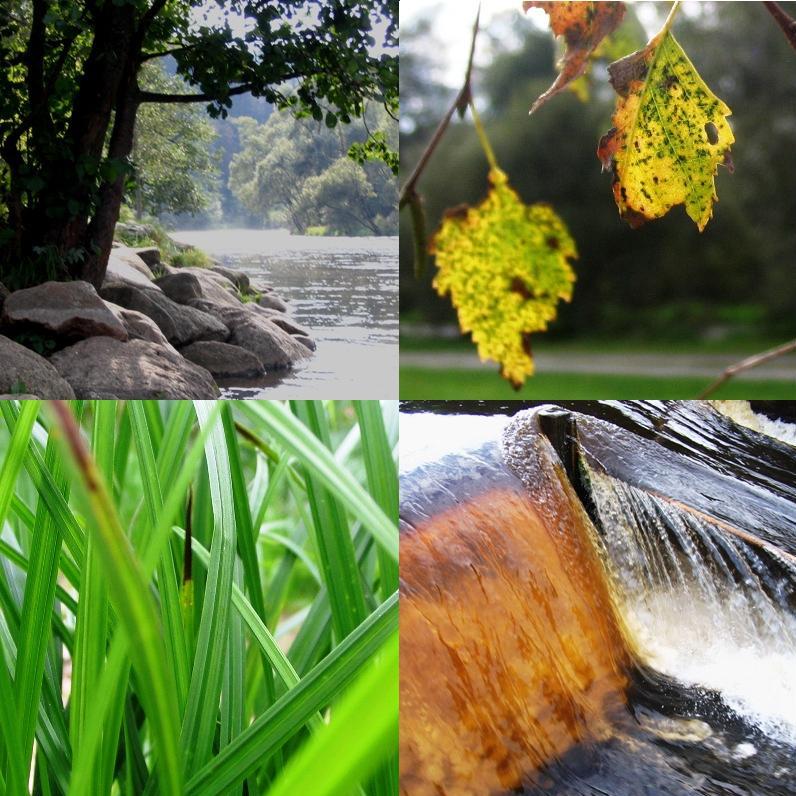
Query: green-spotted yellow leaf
x: 670, y: 134
x: 506, y: 266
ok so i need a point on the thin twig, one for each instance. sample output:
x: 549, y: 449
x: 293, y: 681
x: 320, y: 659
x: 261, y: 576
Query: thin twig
x: 459, y: 104
x: 746, y: 364
x: 787, y: 23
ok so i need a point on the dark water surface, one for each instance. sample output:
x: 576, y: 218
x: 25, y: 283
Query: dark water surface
x: 345, y: 290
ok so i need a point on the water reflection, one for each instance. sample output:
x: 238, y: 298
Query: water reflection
x: 345, y: 290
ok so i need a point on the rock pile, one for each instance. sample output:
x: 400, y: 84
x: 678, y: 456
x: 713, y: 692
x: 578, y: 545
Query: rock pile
x: 144, y: 336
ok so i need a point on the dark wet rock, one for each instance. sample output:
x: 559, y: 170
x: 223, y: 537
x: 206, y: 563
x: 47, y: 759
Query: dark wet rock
x: 101, y: 367
x: 25, y: 372
x: 4, y: 294
x: 181, y: 324
x: 224, y: 361
x: 149, y: 254
x: 65, y: 311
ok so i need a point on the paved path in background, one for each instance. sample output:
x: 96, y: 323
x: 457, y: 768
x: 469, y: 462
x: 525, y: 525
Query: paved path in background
x: 663, y: 365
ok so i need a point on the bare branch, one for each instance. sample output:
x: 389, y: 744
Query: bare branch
x: 459, y: 104
x: 787, y: 23
x: 150, y: 96
x: 747, y: 364
x: 149, y: 56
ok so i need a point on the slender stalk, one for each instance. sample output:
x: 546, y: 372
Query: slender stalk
x: 459, y: 104
x: 747, y: 364
x: 786, y: 22
x: 485, y: 145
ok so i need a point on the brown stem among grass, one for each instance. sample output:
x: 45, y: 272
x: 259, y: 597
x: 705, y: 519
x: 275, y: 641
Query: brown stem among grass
x: 747, y: 364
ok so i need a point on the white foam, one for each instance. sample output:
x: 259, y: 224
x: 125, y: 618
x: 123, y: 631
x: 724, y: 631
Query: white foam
x: 726, y: 649
x: 426, y: 437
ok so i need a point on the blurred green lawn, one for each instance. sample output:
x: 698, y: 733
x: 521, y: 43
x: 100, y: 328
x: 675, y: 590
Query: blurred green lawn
x: 423, y: 383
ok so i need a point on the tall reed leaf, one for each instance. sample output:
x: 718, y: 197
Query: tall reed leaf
x: 133, y: 604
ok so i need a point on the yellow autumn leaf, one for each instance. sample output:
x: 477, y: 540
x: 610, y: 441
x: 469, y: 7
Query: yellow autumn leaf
x: 506, y: 266
x: 583, y: 25
x: 670, y: 134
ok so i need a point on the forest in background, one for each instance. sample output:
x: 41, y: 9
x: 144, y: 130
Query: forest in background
x: 664, y: 280
x: 259, y: 168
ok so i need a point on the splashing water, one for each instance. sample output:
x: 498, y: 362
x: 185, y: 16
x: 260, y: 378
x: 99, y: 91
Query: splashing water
x: 700, y: 602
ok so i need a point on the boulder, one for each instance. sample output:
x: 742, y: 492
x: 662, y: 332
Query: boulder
x: 274, y: 347
x: 149, y: 254
x: 306, y: 341
x: 272, y: 301
x: 68, y: 311
x: 196, y: 283
x: 23, y: 396
x: 101, y: 367
x: 130, y: 229
x: 260, y: 287
x: 180, y: 324
x: 25, y: 372
x: 281, y: 320
x: 138, y: 325
x: 224, y: 361
x: 238, y: 278
x: 124, y: 265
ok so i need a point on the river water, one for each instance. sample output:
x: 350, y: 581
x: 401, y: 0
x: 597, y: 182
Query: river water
x: 345, y: 290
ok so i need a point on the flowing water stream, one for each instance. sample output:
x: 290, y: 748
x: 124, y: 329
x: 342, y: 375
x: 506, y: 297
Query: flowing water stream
x: 597, y: 603
x: 345, y: 290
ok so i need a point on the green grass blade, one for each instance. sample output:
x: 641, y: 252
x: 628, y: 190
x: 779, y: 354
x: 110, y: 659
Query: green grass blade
x: 382, y: 478
x: 91, y: 625
x: 291, y: 711
x: 16, y: 761
x: 167, y: 577
x: 295, y: 437
x: 199, y: 724
x: 332, y: 535
x: 340, y: 755
x: 35, y: 627
x: 128, y: 589
x: 21, y: 428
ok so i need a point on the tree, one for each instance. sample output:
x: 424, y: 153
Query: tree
x: 628, y: 276
x: 176, y: 169
x: 297, y: 172
x: 70, y: 96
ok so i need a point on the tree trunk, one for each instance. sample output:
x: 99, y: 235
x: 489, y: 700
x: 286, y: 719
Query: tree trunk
x: 98, y: 238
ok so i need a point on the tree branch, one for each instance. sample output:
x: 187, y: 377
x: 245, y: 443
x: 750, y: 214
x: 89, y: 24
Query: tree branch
x: 150, y: 96
x: 460, y: 104
x: 149, y: 16
x: 787, y: 23
x: 149, y: 56
x: 747, y: 364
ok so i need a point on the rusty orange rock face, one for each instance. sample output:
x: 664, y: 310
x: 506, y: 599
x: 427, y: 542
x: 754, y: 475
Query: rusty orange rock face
x: 510, y: 654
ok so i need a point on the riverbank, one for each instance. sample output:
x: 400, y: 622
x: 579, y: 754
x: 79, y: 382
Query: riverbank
x: 167, y: 322
x: 343, y: 288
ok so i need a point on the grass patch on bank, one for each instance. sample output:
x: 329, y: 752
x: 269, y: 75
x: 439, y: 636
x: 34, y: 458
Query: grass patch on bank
x: 198, y: 597
x: 424, y: 383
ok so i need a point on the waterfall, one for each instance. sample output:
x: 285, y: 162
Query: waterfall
x: 700, y: 601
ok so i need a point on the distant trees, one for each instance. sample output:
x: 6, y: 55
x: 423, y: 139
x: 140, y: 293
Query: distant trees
x: 176, y: 169
x: 296, y: 172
